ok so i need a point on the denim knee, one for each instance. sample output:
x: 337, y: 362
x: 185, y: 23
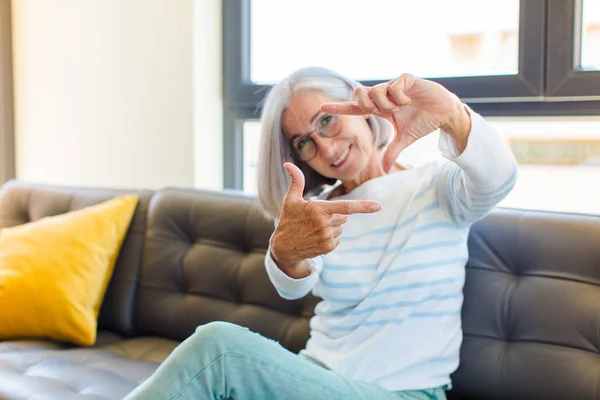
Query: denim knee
x: 220, y: 335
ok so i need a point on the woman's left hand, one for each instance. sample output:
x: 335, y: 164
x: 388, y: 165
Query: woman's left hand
x: 416, y: 107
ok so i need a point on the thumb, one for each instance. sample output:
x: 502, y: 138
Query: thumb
x: 393, y: 151
x: 296, y: 188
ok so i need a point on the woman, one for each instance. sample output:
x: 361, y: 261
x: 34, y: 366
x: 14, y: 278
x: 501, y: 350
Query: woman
x: 383, y: 244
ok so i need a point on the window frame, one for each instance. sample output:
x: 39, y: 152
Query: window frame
x: 564, y: 81
x: 542, y: 87
x: 240, y: 91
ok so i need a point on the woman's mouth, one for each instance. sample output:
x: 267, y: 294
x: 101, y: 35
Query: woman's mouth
x: 341, y: 159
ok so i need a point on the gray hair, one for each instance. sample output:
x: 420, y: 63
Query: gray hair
x: 272, y: 178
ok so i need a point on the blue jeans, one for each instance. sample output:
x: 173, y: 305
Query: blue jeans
x: 226, y: 361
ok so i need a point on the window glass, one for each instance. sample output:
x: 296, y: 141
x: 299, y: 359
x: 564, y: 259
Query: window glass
x: 559, y: 161
x: 428, y: 38
x: 590, y: 35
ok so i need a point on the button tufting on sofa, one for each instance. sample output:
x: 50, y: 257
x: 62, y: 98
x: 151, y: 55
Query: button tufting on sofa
x: 532, y: 308
x: 204, y: 261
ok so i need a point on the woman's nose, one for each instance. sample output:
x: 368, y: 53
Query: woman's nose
x: 325, y: 146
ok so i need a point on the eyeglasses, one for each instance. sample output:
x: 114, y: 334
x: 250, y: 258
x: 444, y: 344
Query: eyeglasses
x: 304, y: 146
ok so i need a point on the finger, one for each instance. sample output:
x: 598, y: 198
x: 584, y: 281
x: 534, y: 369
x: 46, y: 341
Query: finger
x: 398, y: 88
x: 336, y: 231
x: 296, y: 188
x: 398, y: 96
x: 379, y: 95
x: 344, y: 108
x: 394, y: 149
x: 327, y: 246
x: 338, y: 219
x: 348, y: 207
x: 361, y: 95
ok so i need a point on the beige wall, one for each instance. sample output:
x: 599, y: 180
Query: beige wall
x: 7, y: 162
x: 208, y: 95
x: 104, y: 93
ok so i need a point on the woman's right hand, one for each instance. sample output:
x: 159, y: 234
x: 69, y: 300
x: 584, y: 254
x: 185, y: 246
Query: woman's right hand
x: 308, y: 229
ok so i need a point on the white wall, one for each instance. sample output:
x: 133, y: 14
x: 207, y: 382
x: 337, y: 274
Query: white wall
x: 208, y: 95
x: 104, y: 93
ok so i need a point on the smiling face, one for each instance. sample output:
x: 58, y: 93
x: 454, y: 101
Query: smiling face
x: 344, y: 156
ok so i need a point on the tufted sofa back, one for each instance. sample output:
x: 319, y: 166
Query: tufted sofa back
x: 189, y: 257
x: 531, y: 315
x: 204, y: 261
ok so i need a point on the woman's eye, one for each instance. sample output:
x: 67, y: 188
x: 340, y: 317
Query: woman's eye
x: 325, y: 120
x: 302, y: 143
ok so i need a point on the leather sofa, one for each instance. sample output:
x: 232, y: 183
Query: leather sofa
x: 531, y: 313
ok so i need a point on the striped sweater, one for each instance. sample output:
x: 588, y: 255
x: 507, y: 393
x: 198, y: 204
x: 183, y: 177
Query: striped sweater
x: 392, y: 290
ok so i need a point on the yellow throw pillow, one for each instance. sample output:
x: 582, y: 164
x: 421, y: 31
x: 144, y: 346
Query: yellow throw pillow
x: 54, y: 271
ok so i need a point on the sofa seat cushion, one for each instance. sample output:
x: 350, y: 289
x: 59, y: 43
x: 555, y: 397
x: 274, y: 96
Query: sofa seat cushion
x: 46, y: 371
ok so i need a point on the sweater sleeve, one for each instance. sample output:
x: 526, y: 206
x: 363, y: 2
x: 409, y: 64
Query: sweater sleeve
x: 290, y: 288
x: 480, y: 177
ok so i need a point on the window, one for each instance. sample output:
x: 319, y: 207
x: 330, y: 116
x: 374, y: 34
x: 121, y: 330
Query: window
x: 532, y: 67
x: 571, y: 73
x: 559, y: 161
x: 486, y: 45
x: 499, y: 54
x: 589, y: 57
x: 251, y: 142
